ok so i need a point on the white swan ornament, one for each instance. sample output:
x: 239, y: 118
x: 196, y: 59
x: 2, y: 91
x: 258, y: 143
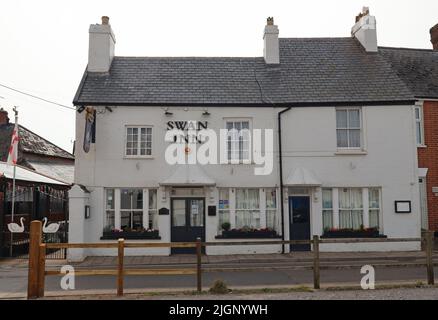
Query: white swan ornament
x: 16, y: 228
x: 51, y: 228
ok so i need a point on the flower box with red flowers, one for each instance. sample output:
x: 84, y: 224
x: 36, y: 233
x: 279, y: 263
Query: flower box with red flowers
x: 131, y: 234
x: 248, y: 233
x: 353, y: 233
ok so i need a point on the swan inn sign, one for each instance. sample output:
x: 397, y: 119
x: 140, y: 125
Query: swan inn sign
x: 188, y: 127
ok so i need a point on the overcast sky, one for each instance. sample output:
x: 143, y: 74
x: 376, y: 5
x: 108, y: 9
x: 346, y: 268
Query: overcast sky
x: 44, y: 43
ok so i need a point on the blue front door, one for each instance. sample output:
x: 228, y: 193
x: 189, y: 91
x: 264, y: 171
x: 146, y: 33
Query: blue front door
x: 299, y: 217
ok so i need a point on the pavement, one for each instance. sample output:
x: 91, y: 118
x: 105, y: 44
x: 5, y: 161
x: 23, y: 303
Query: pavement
x: 238, y: 271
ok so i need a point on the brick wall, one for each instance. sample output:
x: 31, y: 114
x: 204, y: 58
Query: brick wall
x: 428, y: 158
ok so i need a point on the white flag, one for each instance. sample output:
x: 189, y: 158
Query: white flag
x: 13, y: 149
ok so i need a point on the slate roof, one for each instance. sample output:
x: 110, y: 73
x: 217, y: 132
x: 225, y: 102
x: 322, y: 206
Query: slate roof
x: 418, y: 68
x: 29, y: 142
x: 312, y: 71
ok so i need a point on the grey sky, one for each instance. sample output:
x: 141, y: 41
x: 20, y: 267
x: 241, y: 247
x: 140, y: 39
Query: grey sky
x: 44, y: 43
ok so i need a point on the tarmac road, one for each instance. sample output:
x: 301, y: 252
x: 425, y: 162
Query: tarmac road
x: 13, y: 279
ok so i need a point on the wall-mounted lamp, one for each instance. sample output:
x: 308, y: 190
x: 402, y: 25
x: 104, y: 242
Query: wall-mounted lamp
x: 206, y: 113
x: 167, y: 112
x: 109, y: 109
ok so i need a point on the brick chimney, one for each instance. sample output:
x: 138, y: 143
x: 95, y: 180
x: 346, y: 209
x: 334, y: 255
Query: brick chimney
x: 434, y: 37
x: 101, y: 46
x: 4, y: 119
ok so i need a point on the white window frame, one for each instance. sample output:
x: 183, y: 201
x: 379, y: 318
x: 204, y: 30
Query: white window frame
x: 138, y: 155
x: 131, y: 210
x: 379, y: 209
x: 239, y: 161
x: 250, y: 210
x: 365, y: 206
x: 332, y: 209
x: 361, y: 129
x: 420, y: 121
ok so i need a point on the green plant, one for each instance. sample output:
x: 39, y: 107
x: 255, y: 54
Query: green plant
x: 226, y: 226
x: 219, y: 287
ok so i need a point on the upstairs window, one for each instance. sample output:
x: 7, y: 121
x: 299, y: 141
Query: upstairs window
x: 238, y: 141
x: 138, y: 141
x: 349, y: 128
x: 419, y: 125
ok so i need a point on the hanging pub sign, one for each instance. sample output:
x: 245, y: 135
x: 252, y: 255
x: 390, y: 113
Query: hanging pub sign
x: 90, y: 128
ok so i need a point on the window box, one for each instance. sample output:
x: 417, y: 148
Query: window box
x: 131, y: 235
x: 350, y: 233
x: 248, y: 234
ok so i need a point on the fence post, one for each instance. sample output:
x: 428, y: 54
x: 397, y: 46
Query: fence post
x: 198, y: 264
x: 34, y: 250
x: 316, y: 275
x: 429, y: 257
x: 41, y: 270
x: 121, y: 253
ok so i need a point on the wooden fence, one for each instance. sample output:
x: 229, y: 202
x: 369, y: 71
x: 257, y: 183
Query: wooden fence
x: 37, y: 256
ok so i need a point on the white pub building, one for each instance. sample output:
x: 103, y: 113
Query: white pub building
x: 343, y: 147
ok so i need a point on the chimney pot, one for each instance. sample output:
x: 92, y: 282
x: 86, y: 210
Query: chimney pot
x: 270, y: 21
x: 4, y: 119
x: 434, y: 37
x: 105, y: 20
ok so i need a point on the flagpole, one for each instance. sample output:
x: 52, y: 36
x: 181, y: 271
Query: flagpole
x: 13, y: 186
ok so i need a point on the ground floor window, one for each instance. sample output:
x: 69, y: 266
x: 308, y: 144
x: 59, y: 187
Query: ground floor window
x: 374, y: 207
x: 131, y: 209
x: 271, y: 208
x: 224, y: 209
x: 327, y: 209
x: 110, y: 211
x: 248, y: 208
x: 153, y: 209
x: 351, y: 208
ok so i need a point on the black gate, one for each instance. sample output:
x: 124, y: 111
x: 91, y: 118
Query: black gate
x: 20, y: 243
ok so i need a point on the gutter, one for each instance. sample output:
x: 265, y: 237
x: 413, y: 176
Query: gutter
x: 280, y: 159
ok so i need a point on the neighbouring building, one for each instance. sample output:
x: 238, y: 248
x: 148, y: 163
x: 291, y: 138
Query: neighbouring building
x: 44, y: 175
x: 344, y: 153
x: 418, y: 68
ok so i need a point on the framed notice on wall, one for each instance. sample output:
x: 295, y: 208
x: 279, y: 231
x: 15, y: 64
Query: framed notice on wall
x: 403, y: 207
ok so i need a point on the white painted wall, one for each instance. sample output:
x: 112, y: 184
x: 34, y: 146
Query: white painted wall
x: 389, y: 161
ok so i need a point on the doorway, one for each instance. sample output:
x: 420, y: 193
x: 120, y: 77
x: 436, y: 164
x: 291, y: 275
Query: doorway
x: 299, y: 217
x: 188, y: 222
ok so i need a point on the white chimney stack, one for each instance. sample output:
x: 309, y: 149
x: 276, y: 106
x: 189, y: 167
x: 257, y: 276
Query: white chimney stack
x: 271, y: 51
x: 101, y: 46
x: 365, y: 30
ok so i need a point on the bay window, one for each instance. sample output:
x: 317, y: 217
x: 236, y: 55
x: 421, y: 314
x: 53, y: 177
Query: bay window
x: 248, y: 208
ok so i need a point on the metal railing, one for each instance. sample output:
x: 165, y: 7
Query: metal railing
x: 38, y: 272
